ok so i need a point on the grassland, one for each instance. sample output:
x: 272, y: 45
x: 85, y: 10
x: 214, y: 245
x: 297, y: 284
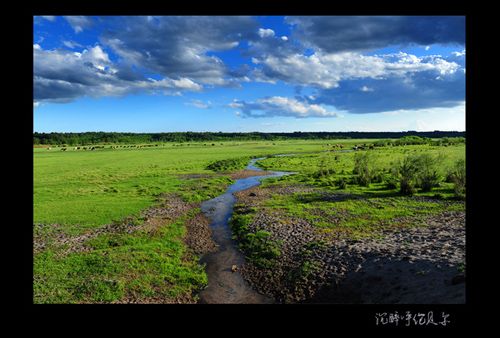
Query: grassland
x: 357, y: 210
x: 91, y: 188
x: 78, y: 193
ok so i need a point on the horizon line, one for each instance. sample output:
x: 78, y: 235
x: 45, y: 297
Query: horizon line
x: 249, y: 132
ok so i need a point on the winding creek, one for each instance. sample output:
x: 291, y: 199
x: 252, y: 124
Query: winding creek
x: 224, y: 285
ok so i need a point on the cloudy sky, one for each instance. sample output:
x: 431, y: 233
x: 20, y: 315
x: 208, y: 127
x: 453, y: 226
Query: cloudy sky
x: 264, y: 73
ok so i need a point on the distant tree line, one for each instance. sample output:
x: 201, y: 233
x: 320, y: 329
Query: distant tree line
x: 412, y: 140
x: 131, y: 138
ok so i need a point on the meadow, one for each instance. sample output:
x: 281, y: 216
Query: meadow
x: 80, y: 193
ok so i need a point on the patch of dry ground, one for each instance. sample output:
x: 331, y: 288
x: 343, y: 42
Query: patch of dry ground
x: 406, y: 265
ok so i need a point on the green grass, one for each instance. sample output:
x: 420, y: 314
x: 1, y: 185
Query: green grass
x: 91, y: 188
x: 326, y: 168
x: 257, y: 246
x: 364, y: 208
x: 119, y: 266
x: 358, y: 214
x: 83, y: 190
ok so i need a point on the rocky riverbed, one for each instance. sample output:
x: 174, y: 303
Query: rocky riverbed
x: 402, y: 264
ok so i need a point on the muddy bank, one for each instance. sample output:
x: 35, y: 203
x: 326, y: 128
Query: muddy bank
x: 403, y: 265
x: 247, y: 173
x: 244, y: 173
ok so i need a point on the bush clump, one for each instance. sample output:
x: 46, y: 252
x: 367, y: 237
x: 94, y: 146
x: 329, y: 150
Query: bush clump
x: 364, y: 169
x: 458, y: 175
x: 417, y: 171
x: 228, y: 165
x: 427, y: 176
x: 341, y: 183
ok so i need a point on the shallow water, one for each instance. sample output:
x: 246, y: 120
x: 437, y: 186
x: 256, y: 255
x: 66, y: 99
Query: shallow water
x: 225, y: 286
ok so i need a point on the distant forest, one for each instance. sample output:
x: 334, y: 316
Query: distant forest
x: 133, y: 138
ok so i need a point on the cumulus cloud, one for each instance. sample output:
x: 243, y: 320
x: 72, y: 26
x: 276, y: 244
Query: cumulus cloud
x: 418, y: 90
x: 62, y: 76
x: 350, y: 33
x: 171, y: 47
x: 167, y: 47
x: 280, y: 106
x: 327, y: 70
x: 321, y: 54
x: 79, y: 23
x: 265, y: 33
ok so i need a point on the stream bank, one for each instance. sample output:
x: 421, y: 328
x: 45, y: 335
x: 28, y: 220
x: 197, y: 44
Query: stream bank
x: 225, y: 282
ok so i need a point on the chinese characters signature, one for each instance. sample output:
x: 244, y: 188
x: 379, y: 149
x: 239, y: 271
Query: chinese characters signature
x: 409, y: 318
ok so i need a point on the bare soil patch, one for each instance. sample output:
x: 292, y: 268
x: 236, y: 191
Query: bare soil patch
x: 404, y: 264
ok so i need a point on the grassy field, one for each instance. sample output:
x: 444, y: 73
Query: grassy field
x: 91, y: 188
x: 77, y: 192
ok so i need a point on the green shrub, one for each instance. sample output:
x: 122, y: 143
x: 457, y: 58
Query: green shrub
x: 341, y: 183
x: 391, y: 179
x: 229, y: 164
x: 418, y: 171
x: 458, y: 175
x: 427, y: 175
x: 450, y: 177
x: 377, y: 177
x: 363, y: 168
x: 407, y: 171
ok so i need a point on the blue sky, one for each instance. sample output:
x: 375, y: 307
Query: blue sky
x: 274, y: 74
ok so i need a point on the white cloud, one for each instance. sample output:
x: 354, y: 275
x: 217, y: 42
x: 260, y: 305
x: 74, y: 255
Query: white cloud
x: 281, y: 106
x: 200, y: 104
x: 284, y: 38
x: 327, y: 70
x: 366, y: 89
x: 79, y: 23
x: 235, y: 104
x: 462, y: 53
x: 169, y: 46
x: 71, y: 44
x: 265, y: 33
x: 427, y: 47
x: 49, y: 17
x: 61, y: 76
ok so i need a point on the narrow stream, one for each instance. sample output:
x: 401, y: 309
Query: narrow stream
x: 225, y: 286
